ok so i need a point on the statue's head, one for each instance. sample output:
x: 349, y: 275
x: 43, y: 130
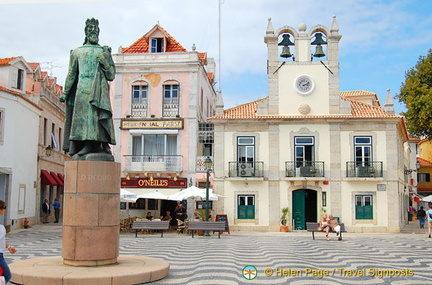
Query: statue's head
x: 91, y: 31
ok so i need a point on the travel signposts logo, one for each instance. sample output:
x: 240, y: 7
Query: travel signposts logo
x: 249, y: 272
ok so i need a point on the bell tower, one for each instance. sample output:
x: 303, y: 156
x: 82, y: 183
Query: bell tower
x: 303, y: 70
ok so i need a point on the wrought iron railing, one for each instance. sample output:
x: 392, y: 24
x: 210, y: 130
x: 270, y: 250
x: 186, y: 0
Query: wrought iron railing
x: 364, y: 169
x: 304, y: 168
x: 153, y: 163
x: 170, y: 110
x: 139, y: 110
x: 246, y: 169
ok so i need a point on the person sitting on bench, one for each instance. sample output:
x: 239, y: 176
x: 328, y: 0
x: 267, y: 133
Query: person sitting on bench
x: 324, y: 225
x: 335, y: 226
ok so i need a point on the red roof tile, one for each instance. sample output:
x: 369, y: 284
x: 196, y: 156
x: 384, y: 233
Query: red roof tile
x: 33, y: 65
x: 424, y: 162
x: 7, y: 60
x: 142, y: 44
x: 358, y: 110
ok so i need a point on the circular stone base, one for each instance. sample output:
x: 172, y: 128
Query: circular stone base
x: 129, y: 269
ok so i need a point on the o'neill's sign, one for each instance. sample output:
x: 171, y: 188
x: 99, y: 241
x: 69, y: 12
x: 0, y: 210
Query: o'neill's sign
x: 154, y: 182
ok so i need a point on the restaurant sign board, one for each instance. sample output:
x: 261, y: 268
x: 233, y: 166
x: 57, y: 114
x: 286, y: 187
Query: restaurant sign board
x: 151, y: 124
x: 154, y: 182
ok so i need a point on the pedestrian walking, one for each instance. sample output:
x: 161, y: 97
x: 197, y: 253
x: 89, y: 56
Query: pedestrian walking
x: 46, y: 211
x: 4, y: 245
x: 56, y: 206
x: 421, y: 214
x: 429, y: 218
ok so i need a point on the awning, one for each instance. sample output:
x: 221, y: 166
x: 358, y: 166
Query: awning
x: 47, y: 178
x: 144, y: 191
x: 57, y: 179
x: 61, y: 176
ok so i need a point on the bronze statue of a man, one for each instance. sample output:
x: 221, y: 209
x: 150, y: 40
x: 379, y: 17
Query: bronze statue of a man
x: 89, y: 126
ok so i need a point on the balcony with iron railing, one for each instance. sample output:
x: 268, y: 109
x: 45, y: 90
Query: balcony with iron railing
x: 246, y: 169
x: 363, y: 169
x: 304, y: 168
x: 152, y: 163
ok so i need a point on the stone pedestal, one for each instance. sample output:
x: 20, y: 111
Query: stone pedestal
x: 91, y: 213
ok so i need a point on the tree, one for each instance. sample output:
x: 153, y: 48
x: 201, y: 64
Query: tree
x: 416, y: 94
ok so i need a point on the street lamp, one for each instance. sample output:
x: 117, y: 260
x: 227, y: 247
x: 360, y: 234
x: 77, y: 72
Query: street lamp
x: 408, y: 171
x: 208, y: 165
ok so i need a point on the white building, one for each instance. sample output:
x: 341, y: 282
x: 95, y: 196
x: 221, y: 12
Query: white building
x: 19, y: 127
x: 310, y: 147
x: 31, y: 120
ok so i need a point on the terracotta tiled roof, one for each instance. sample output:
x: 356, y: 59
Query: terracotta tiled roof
x: 356, y: 93
x: 44, y: 74
x: 33, y: 65
x: 424, y: 162
x: 7, y: 60
x: 358, y: 110
x: 203, y: 57
x: 142, y: 44
x: 10, y: 91
x: 211, y: 76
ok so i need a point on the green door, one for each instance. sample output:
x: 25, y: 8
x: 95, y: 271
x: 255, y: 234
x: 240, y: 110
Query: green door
x: 298, y: 206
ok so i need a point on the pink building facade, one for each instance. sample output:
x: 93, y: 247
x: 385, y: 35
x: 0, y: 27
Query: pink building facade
x: 162, y: 96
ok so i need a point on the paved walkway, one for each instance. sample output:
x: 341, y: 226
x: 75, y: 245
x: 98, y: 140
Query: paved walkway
x: 279, y: 258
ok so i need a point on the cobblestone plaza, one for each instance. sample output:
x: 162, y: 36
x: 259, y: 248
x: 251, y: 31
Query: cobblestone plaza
x: 279, y: 258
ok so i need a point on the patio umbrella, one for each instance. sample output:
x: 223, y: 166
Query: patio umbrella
x: 193, y: 193
x: 127, y: 196
x: 153, y: 195
x: 427, y: 198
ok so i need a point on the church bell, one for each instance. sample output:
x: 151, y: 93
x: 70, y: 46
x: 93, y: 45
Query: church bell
x: 286, y: 42
x: 319, y: 52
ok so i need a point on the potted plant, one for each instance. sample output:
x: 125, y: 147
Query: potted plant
x: 284, y: 220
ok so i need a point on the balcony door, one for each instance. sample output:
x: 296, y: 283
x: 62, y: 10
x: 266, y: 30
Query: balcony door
x: 245, y: 156
x: 304, y: 151
x: 363, y: 151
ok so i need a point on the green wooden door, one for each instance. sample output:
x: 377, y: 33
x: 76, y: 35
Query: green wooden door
x: 298, y: 206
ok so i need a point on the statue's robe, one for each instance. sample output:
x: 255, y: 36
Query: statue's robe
x: 88, y: 107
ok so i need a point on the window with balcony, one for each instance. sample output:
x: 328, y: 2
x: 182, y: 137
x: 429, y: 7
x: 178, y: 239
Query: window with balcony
x: 139, y: 101
x: 304, y: 151
x: 171, y: 100
x: 364, y: 207
x: 363, y: 150
x: 154, y: 153
x: 246, y: 156
x: 246, y: 207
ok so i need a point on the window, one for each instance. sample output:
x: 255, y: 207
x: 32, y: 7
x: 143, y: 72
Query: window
x: 139, y: 101
x: 363, y: 151
x: 2, y: 126
x: 423, y: 177
x: 246, y: 149
x: 19, y: 79
x: 171, y: 101
x: 157, y: 45
x: 139, y: 204
x: 246, y: 207
x: 154, y: 145
x: 45, y: 131
x: 363, y: 207
x: 202, y: 205
x: 304, y: 151
x: 205, y: 139
x: 21, y: 198
x: 152, y: 204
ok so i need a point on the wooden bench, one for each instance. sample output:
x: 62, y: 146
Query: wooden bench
x: 313, y: 227
x: 206, y: 226
x: 150, y: 225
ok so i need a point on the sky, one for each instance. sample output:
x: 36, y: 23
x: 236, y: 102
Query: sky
x: 381, y: 40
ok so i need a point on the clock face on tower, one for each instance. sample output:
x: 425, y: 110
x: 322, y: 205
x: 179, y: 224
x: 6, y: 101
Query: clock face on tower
x: 304, y: 84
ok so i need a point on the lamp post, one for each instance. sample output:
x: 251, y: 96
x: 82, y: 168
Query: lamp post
x: 208, y: 165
